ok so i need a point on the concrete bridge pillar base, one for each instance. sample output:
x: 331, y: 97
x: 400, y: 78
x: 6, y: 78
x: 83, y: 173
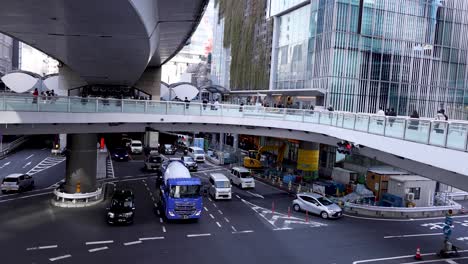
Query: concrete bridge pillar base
x: 81, y: 163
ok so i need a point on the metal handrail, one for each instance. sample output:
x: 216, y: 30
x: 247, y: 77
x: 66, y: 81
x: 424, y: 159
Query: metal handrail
x: 423, y: 130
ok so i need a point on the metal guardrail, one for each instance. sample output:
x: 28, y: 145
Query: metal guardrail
x: 78, y: 197
x: 7, y: 148
x: 456, y: 206
x: 451, y: 134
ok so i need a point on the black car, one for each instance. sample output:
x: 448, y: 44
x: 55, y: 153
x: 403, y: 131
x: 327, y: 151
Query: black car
x: 122, y: 208
x: 120, y: 154
x: 189, y: 163
x: 168, y: 149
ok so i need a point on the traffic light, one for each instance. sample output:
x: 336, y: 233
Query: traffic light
x: 344, y: 147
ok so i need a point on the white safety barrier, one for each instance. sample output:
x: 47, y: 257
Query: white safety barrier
x: 400, y: 212
x: 63, y: 199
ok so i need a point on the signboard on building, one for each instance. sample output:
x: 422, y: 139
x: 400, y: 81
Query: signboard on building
x: 308, y: 160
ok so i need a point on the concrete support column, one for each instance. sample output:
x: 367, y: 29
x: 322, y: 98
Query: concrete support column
x: 81, y: 163
x: 68, y: 79
x: 308, y: 159
x: 62, y: 141
x: 221, y: 141
x: 150, y: 82
x: 235, y: 141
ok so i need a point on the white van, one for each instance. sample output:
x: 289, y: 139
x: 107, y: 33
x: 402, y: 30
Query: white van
x: 241, y: 177
x: 197, y: 154
x: 136, y: 147
x: 220, y: 187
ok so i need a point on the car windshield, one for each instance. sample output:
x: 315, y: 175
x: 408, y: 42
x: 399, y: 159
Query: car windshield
x: 136, y: 144
x: 199, y: 151
x: 168, y: 146
x: 118, y: 203
x: 188, y: 159
x: 120, y: 150
x: 245, y: 175
x: 324, y: 201
x: 185, y: 191
x: 222, y: 184
x: 10, y: 180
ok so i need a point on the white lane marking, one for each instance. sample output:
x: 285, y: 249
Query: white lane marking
x: 206, y: 209
x: 152, y: 198
x: 218, y: 224
x: 42, y: 247
x: 155, y: 205
x: 403, y: 220
x: 215, y: 205
x: 24, y: 197
x: 243, y: 232
x: 237, y: 196
x: 100, y: 242
x: 255, y: 194
x: 30, y: 156
x: 210, y: 199
x: 220, y: 212
x: 199, y: 235
x: 438, y: 260
x: 164, y: 229
x: 150, y: 238
x: 211, y: 216
x: 4, y: 165
x: 160, y: 220
x: 27, y: 164
x: 132, y: 243
x: 283, y: 228
x: 414, y: 235
x: 398, y: 257
x: 60, y: 257
x: 97, y: 249
x: 225, y: 219
x: 234, y: 229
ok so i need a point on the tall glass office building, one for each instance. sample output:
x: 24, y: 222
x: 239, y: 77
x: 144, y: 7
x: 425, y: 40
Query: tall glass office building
x: 365, y: 54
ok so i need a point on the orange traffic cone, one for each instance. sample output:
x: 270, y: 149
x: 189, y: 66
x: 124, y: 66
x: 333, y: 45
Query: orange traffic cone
x: 418, y: 254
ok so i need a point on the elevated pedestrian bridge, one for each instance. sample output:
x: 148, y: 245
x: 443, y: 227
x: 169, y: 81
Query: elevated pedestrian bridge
x: 435, y: 149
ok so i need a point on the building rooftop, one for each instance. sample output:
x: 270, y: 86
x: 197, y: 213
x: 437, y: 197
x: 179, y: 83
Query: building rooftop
x: 407, y: 178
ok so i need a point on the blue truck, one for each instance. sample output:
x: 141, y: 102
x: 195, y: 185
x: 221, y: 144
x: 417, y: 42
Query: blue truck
x: 179, y: 194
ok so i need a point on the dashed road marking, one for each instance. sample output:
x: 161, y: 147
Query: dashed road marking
x: 60, y: 257
x: 152, y: 198
x: 150, y: 238
x: 237, y: 196
x: 243, y: 232
x: 282, y: 229
x: 27, y: 164
x: 206, y: 209
x: 132, y: 243
x: 233, y: 229
x: 219, y: 225
x: 199, y: 235
x: 164, y: 229
x: 210, y: 199
x: 215, y: 205
x: 220, y: 212
x: 160, y: 220
x: 255, y: 194
x: 98, y: 249
x: 157, y: 210
x: 211, y: 216
x: 30, y: 156
x: 100, y: 242
x: 227, y: 220
x: 42, y: 247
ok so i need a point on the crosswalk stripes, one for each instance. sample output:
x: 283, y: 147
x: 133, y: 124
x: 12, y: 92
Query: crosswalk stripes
x: 45, y: 164
x: 109, y: 169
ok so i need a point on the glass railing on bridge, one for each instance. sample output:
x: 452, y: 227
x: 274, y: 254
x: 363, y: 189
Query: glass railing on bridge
x: 452, y: 134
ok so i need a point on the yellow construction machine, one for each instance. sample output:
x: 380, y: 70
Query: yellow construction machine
x: 253, y: 160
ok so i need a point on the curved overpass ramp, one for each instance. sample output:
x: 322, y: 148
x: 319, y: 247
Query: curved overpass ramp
x: 105, y: 41
x: 434, y: 149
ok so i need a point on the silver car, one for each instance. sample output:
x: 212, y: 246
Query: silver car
x: 317, y: 204
x: 17, y: 182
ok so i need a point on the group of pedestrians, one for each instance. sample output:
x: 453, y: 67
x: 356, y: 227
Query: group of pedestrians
x: 214, y: 104
x: 46, y: 97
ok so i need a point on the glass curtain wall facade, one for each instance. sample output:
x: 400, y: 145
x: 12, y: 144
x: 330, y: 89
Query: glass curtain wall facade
x: 403, y: 54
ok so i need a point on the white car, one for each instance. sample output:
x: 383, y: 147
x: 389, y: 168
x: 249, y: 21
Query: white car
x: 241, y: 177
x: 197, y: 154
x: 17, y: 182
x: 136, y: 147
x: 317, y: 204
x: 220, y: 187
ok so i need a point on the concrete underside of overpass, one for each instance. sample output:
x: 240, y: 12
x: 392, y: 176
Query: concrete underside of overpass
x: 392, y: 151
